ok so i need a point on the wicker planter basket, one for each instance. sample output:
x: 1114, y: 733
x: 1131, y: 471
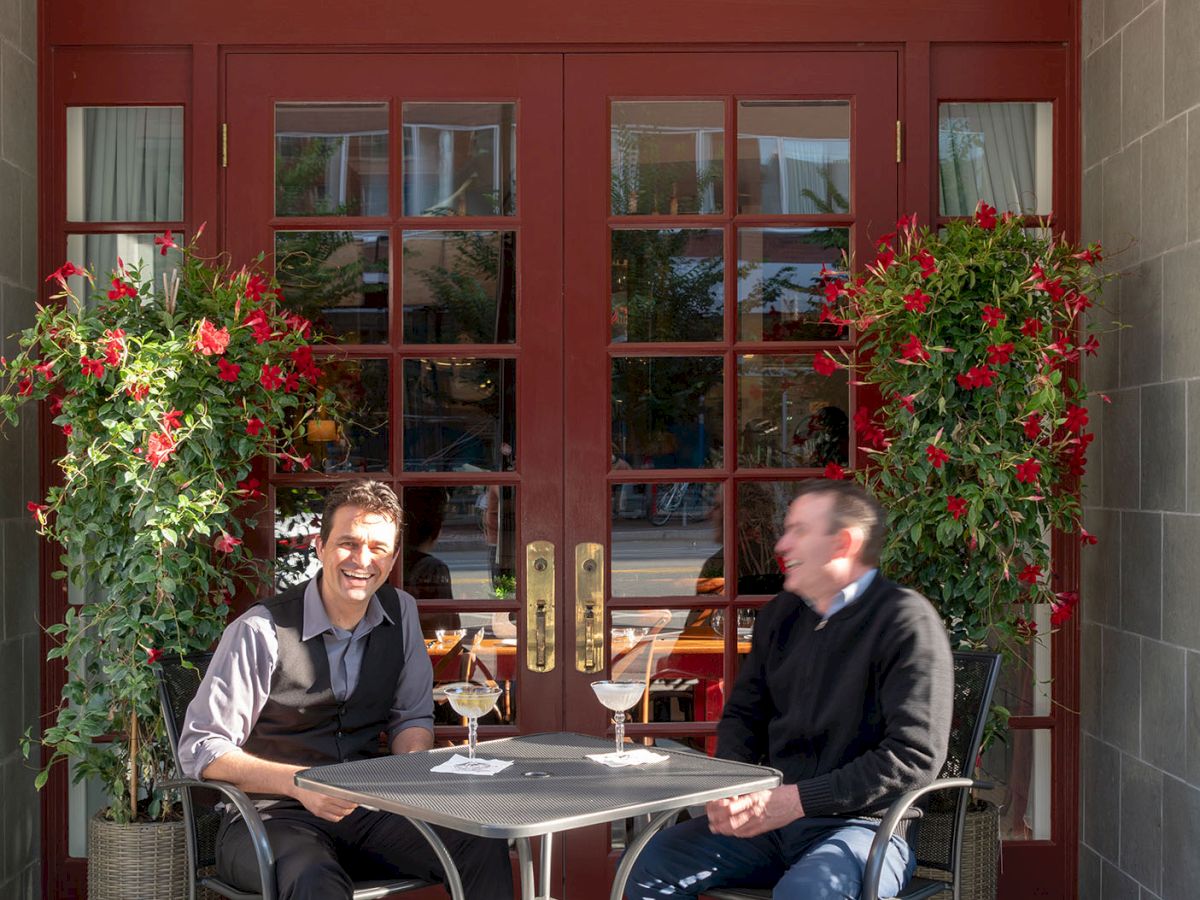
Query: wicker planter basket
x: 980, y: 849
x: 137, y: 861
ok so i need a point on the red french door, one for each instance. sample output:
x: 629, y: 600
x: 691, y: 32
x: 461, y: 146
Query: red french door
x: 703, y: 194
x: 574, y: 303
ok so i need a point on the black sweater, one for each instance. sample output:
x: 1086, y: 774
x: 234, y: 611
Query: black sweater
x: 853, y: 713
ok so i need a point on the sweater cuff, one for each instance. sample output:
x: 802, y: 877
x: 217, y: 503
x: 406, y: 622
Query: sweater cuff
x: 816, y: 796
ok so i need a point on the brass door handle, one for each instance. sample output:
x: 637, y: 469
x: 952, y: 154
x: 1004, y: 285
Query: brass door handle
x: 589, y: 607
x: 539, y: 606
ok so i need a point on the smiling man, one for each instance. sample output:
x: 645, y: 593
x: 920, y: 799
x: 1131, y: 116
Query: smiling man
x: 314, y: 676
x: 847, y: 690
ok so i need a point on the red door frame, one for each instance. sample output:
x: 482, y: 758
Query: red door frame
x: 113, y: 55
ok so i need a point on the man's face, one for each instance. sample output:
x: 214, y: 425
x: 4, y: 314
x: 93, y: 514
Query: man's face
x: 807, y: 548
x: 357, y: 557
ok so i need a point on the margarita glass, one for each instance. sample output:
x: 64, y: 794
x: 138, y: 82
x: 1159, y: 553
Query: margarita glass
x: 472, y: 701
x: 619, y: 696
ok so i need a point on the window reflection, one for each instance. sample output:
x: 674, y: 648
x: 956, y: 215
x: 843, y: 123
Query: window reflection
x: 667, y: 157
x: 673, y: 562
x: 298, y: 513
x: 667, y: 411
x: 338, y: 280
x: 460, y: 287
x: 1001, y: 153
x: 788, y: 415
x: 794, y: 156
x: 100, y: 253
x: 460, y: 159
x: 331, y: 159
x: 780, y: 291
x: 363, y: 445
x: 459, y: 413
x: 667, y: 285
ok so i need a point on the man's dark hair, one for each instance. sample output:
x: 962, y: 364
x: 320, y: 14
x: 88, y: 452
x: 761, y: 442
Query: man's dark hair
x: 853, y: 507
x: 369, y: 496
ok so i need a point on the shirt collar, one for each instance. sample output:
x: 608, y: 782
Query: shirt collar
x: 849, y: 594
x: 316, y: 620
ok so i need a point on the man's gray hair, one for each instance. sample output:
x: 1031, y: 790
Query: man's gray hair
x: 853, y: 507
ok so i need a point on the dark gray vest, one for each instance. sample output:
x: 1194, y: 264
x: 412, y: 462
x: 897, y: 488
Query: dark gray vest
x: 302, y: 722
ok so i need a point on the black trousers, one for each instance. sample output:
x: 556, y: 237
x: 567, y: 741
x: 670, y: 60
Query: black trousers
x: 315, y: 858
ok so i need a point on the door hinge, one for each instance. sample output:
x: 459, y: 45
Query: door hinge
x: 224, y: 145
x: 899, y: 142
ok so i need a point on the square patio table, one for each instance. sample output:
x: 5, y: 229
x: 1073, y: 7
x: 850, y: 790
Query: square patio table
x: 550, y: 787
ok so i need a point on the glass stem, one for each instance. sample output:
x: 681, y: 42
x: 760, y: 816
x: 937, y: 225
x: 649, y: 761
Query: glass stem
x: 619, y: 719
x: 472, y: 728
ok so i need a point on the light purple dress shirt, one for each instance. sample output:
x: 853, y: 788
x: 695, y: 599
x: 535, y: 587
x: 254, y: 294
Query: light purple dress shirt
x: 238, y: 681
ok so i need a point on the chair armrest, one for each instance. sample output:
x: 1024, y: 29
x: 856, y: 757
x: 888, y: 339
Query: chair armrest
x: 254, y: 824
x: 887, y: 827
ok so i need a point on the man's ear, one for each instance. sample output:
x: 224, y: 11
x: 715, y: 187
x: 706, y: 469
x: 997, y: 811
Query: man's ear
x: 851, y: 541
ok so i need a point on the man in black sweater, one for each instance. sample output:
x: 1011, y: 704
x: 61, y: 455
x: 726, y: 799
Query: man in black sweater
x: 847, y: 690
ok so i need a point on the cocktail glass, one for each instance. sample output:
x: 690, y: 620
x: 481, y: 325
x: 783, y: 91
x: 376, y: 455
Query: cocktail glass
x: 619, y: 696
x: 472, y: 701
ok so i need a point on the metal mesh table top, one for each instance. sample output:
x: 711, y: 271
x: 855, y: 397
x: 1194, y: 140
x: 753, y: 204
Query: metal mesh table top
x: 522, y: 802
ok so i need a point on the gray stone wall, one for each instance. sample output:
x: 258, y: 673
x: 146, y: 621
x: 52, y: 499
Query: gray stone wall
x: 1140, y: 704
x: 20, y: 869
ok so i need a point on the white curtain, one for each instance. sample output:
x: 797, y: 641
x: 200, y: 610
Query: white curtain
x: 996, y: 152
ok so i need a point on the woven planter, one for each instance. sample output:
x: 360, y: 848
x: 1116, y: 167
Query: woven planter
x: 137, y: 861
x: 980, y: 849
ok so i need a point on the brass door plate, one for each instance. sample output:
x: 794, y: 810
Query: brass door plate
x: 539, y: 606
x: 589, y: 607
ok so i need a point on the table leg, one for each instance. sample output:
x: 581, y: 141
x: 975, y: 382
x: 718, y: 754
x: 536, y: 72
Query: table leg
x: 453, y: 882
x: 635, y: 849
x: 525, y: 858
x: 544, y: 879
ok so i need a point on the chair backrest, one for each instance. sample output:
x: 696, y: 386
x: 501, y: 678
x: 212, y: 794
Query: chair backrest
x: 177, y: 685
x: 939, y: 840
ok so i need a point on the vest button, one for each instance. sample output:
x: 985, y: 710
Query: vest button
x: 340, y: 735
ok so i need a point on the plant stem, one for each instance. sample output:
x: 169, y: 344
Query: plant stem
x: 133, y: 752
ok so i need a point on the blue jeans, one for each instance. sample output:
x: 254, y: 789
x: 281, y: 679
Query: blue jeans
x: 808, y: 859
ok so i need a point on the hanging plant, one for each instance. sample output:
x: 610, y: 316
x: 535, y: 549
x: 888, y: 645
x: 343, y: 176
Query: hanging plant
x: 167, y: 396
x: 972, y: 340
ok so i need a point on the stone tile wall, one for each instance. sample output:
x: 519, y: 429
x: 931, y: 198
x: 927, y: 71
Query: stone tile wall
x: 20, y: 869
x: 1140, y: 754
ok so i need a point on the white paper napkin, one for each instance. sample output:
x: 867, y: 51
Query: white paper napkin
x: 638, y: 757
x: 461, y: 765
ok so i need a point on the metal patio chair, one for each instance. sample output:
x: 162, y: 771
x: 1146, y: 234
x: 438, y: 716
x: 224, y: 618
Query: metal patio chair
x: 177, y: 685
x: 937, y: 848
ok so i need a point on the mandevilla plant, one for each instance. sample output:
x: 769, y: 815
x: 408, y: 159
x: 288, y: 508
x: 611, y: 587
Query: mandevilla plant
x: 167, y: 396
x: 972, y: 339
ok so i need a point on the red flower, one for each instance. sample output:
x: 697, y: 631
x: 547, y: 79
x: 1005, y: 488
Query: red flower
x: 1090, y: 346
x: 913, y: 349
x: 249, y: 488
x: 256, y: 286
x: 1054, y: 288
x: 25, y: 386
x: 65, y: 271
x: 1063, y: 607
x: 302, y: 357
x: 171, y: 420
x: 1076, y: 302
x: 159, y: 447
x: 1086, y: 537
x: 1026, y: 630
x: 93, y: 367
x: 138, y: 392
x: 1027, y: 472
x: 1032, y: 327
x: 269, y: 377
x: 998, y: 354
x: 253, y: 426
x: 211, y: 341
x: 1091, y: 255
x: 907, y: 402
x: 985, y: 216
x: 227, y: 371
x: 885, y: 259
x: 153, y: 654
x: 257, y: 320
x: 1077, y: 418
x: 1030, y: 574
x: 834, y: 472
x: 975, y: 377
x: 39, y: 511
x: 927, y: 263
x: 46, y: 369
x: 824, y: 364
x: 993, y: 316
x: 299, y: 323
x: 67, y: 429
x: 291, y: 383
x: 1033, y: 426
x: 55, y: 406
x: 121, y: 289
x: 936, y: 455
x: 909, y: 221
x: 226, y: 542
x: 917, y: 301
x: 956, y: 506
x: 165, y: 242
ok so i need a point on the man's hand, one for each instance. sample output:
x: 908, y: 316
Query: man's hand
x: 757, y: 813
x: 323, y: 806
